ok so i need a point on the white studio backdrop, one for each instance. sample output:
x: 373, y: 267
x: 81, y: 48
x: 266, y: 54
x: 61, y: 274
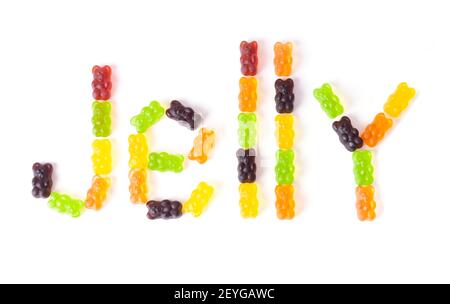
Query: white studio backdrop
x: 189, y: 50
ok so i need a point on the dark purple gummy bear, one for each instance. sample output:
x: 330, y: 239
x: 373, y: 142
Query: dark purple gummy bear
x: 284, y: 96
x: 185, y: 115
x: 42, y: 181
x: 246, y: 165
x: 348, y: 135
x: 165, y: 209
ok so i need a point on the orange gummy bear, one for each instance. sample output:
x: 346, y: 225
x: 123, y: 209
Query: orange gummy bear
x: 285, y: 202
x: 248, y: 94
x: 283, y: 59
x: 97, y: 193
x: 376, y: 130
x: 138, y: 185
x: 203, y: 145
x: 365, y: 203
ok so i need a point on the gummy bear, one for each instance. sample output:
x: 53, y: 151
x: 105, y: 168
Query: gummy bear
x: 138, y: 149
x: 148, y: 117
x: 285, y: 130
x: 199, y: 199
x: 247, y: 130
x: 101, y: 157
x: 329, y: 101
x: 249, y: 58
x: 362, y: 167
x: 376, y: 130
x: 246, y: 165
x: 285, y: 202
x: 101, y: 84
x: 248, y: 94
x: 285, y: 167
x: 184, y: 115
x: 101, y: 119
x: 399, y: 100
x: 348, y: 135
x: 365, y: 203
x: 42, y: 181
x: 165, y: 209
x: 203, y: 146
x: 248, y: 200
x: 138, y: 185
x: 164, y: 162
x: 66, y: 204
x: 284, y: 97
x: 283, y: 58
x: 96, y: 195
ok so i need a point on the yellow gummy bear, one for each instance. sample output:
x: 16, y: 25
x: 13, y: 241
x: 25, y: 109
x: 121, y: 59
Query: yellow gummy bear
x: 248, y: 200
x: 138, y: 149
x: 285, y: 131
x: 399, y: 100
x: 101, y: 158
x: 199, y: 199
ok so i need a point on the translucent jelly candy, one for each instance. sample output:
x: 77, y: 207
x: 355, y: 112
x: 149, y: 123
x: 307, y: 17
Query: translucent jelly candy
x: 365, y: 203
x: 101, y: 157
x: 246, y: 165
x: 284, y: 96
x: 164, y: 162
x: 399, y: 100
x: 165, y: 209
x: 248, y: 200
x: 184, y: 115
x: 101, y: 119
x: 101, y: 85
x: 362, y: 167
x: 148, y: 117
x: 96, y: 195
x: 138, y: 185
x: 249, y: 58
x: 283, y: 58
x: 285, y: 130
x: 199, y: 199
x: 376, y: 130
x: 285, y: 168
x: 285, y: 203
x: 348, y: 135
x: 248, y: 94
x: 42, y: 181
x: 138, y: 149
x: 203, y: 145
x: 329, y: 101
x: 66, y: 204
x: 247, y: 130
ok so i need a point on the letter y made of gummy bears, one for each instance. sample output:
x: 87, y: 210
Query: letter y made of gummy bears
x: 372, y: 135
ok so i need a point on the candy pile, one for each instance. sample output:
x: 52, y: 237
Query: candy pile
x: 246, y: 155
x: 351, y: 139
x: 101, y: 157
x: 284, y: 121
x: 142, y: 160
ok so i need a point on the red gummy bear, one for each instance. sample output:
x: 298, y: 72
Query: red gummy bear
x: 249, y: 58
x: 101, y: 84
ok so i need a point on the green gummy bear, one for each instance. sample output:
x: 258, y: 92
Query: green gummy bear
x: 329, y: 101
x: 148, y: 117
x: 362, y: 167
x: 285, y: 168
x: 247, y: 130
x: 101, y: 119
x: 66, y: 204
x: 164, y: 162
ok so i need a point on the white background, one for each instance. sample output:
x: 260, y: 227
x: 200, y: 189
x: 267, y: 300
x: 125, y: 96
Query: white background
x: 189, y: 50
